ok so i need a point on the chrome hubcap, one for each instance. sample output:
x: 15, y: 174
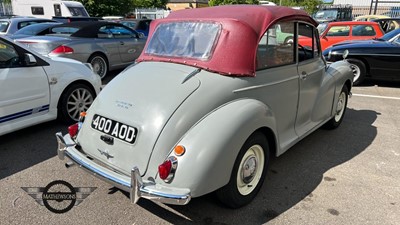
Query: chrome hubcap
x: 340, y: 106
x: 250, y: 170
x: 99, y: 66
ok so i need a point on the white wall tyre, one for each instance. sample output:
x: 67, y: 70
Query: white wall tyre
x: 248, y: 173
x: 340, y: 110
x: 358, y: 69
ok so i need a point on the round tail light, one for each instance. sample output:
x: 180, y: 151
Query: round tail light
x: 167, y: 169
x: 73, y: 130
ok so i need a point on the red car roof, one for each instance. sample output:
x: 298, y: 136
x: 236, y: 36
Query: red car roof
x: 242, y: 28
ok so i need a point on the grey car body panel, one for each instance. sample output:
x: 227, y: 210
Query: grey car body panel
x: 137, y: 105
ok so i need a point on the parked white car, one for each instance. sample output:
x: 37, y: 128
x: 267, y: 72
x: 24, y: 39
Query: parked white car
x: 35, y: 88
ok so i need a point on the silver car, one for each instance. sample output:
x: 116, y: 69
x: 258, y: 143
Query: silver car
x: 214, y: 95
x: 11, y: 25
x: 107, y: 46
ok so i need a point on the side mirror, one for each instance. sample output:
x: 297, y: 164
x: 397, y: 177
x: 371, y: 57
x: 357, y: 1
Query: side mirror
x: 141, y: 35
x: 29, y: 59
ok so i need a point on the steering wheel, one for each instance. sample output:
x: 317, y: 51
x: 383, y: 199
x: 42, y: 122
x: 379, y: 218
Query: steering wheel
x: 302, y: 48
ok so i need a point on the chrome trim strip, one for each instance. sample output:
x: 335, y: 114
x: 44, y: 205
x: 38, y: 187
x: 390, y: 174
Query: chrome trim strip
x: 361, y: 54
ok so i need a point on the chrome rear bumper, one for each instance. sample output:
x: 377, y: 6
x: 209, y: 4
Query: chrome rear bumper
x: 133, y: 184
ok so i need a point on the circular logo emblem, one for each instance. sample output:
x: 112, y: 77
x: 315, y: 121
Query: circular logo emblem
x: 59, y: 196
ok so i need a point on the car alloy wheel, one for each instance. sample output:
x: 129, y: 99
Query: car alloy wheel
x: 79, y: 101
x: 74, y: 100
x: 99, y: 65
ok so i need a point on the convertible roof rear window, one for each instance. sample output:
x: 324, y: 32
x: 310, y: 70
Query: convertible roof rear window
x: 184, y: 39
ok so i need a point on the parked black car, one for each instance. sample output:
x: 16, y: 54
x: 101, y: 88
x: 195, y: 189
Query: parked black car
x: 376, y: 59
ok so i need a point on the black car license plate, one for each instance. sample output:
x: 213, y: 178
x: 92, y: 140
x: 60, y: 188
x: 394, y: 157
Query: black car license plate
x: 115, y: 129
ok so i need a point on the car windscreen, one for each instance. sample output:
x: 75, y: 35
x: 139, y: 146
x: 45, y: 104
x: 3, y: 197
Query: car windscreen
x: 184, y: 39
x: 322, y: 27
x: 78, y: 11
x: 4, y: 26
x: 326, y: 14
x: 390, y: 35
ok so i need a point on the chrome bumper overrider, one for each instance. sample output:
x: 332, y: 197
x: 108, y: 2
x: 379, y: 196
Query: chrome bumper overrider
x: 133, y: 184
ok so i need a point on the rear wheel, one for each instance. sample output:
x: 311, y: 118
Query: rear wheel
x: 340, y: 110
x: 248, y: 173
x: 74, y: 100
x: 99, y: 64
x: 359, y: 71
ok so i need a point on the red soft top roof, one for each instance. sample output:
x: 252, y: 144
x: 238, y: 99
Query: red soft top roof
x: 242, y: 28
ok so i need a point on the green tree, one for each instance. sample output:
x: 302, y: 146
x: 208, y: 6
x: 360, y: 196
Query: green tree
x: 99, y: 8
x: 149, y: 3
x: 231, y: 2
x: 309, y: 5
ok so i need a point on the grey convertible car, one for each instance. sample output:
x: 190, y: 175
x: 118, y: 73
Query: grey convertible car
x: 107, y: 46
x: 213, y: 96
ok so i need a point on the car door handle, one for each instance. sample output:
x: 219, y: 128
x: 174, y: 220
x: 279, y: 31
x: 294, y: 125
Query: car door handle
x: 303, y: 75
x: 121, y: 43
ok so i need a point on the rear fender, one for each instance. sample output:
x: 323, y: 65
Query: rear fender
x: 213, y: 144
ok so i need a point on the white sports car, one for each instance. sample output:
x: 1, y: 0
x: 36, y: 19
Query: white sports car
x: 35, y: 88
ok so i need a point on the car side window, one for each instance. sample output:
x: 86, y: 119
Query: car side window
x: 116, y: 32
x: 9, y: 57
x: 310, y: 49
x: 338, y: 31
x: 363, y: 30
x: 276, y: 47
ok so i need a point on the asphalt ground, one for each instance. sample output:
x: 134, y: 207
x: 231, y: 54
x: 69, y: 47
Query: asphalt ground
x: 350, y: 175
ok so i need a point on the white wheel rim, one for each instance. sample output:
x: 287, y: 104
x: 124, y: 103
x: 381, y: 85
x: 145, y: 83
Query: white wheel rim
x: 356, y: 72
x: 79, y: 101
x: 99, y: 66
x: 250, y: 170
x: 340, y: 106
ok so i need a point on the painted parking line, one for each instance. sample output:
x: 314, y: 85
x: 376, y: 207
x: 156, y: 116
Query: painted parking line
x: 376, y: 96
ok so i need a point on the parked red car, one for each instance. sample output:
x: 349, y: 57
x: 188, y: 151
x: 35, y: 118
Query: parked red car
x: 334, y: 32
